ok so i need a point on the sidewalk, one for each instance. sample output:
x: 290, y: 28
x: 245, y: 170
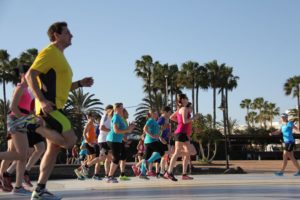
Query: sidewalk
x: 217, y: 167
x: 255, y: 166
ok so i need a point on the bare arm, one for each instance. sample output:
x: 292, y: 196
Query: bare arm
x: 86, y: 82
x: 15, y: 102
x: 146, y: 130
x: 31, y: 78
x: 173, y: 117
x: 119, y: 131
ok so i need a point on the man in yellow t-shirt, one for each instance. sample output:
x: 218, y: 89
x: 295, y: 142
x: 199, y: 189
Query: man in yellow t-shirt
x: 50, y: 79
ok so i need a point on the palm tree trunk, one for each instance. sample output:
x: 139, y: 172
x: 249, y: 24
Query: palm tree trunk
x: 227, y: 115
x: 4, y: 107
x: 197, y: 99
x: 298, y: 100
x: 171, y: 91
x: 214, y: 107
x: 193, y: 98
x: 214, y: 153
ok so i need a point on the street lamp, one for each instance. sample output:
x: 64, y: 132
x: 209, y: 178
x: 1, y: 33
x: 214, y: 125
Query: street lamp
x: 166, y: 77
x: 223, y: 107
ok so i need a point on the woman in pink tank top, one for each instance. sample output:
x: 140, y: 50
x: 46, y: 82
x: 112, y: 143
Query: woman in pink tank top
x: 183, y: 117
x: 17, y: 130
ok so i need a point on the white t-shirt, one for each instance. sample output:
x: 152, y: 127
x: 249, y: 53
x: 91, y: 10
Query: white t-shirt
x: 106, y: 122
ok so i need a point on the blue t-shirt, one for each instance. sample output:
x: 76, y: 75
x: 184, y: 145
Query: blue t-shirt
x: 161, y: 121
x: 287, y: 132
x: 112, y: 136
x: 153, y: 128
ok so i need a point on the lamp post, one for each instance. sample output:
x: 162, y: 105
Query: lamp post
x: 166, y: 77
x: 223, y: 107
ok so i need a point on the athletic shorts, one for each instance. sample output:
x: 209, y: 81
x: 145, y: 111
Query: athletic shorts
x: 34, y: 138
x: 57, y: 120
x: 140, y: 154
x: 289, y: 147
x: 104, y: 147
x: 181, y: 137
x: 92, y: 150
x: 153, y: 147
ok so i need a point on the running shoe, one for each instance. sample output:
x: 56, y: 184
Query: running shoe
x: 186, y: 177
x: 44, y: 195
x: 151, y: 173
x: 142, y: 176
x: 96, y: 178
x: 170, y: 176
x: 135, y: 170
x: 111, y: 180
x: 279, y: 173
x: 105, y: 179
x: 79, y: 175
x: 27, y: 180
x: 6, y: 184
x: 297, y: 174
x: 21, y: 191
x: 124, y: 178
x: 84, y: 171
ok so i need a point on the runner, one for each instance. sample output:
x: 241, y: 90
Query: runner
x: 89, y: 135
x: 17, y: 120
x: 183, y: 118
x: 165, y: 128
x: 104, y: 149
x: 286, y: 129
x: 50, y: 79
x: 114, y: 140
x: 123, y: 177
x: 154, y: 149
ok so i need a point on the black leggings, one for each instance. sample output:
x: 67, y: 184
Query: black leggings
x: 118, y: 151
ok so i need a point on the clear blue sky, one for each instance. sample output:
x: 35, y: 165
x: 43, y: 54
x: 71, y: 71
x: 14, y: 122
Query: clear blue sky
x: 259, y: 38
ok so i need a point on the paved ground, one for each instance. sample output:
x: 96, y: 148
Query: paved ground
x: 231, y: 186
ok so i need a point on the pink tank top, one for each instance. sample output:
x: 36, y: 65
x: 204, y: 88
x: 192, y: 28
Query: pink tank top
x: 181, y: 127
x: 26, y: 104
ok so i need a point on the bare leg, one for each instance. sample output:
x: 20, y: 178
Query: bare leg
x: 285, y: 160
x: 178, y: 147
x: 39, y: 149
x: 292, y: 158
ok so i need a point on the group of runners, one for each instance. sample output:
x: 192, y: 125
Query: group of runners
x: 42, y: 128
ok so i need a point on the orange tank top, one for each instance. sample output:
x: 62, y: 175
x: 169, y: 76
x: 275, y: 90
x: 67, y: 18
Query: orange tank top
x: 91, y: 134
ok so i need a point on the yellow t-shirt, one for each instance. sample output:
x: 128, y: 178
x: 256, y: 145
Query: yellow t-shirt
x: 55, y: 80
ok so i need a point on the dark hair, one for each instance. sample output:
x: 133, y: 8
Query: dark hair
x: 23, y: 69
x: 57, y: 27
x: 109, y: 107
x: 179, y: 99
x: 167, y: 109
x: 91, y: 114
x: 189, y: 105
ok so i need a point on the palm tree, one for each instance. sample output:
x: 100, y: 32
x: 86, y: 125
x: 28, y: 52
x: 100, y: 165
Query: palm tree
x: 189, y: 73
x: 3, y: 108
x: 7, y: 74
x: 27, y: 57
x: 78, y: 105
x: 144, y: 70
x: 252, y: 118
x: 201, y: 82
x: 272, y: 111
x: 173, y: 75
x: 246, y: 103
x: 258, y: 104
x: 292, y: 87
x: 214, y: 78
